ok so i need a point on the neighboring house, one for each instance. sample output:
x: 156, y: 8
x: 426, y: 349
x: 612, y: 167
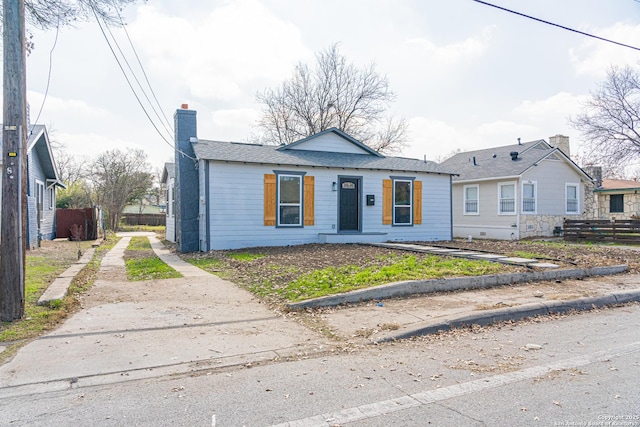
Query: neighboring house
x: 327, y: 188
x: 168, y: 180
x: 618, y: 199
x: 42, y: 181
x: 518, y: 191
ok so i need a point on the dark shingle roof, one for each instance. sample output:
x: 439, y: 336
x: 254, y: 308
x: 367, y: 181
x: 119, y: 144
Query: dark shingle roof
x: 270, y: 154
x: 496, y: 162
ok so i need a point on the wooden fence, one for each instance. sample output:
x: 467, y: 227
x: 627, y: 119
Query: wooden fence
x: 621, y: 231
x: 144, y: 219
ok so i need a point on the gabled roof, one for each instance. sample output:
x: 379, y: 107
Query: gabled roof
x: 168, y: 172
x: 274, y: 155
x: 336, y: 131
x: 38, y: 143
x: 619, y: 185
x: 496, y: 162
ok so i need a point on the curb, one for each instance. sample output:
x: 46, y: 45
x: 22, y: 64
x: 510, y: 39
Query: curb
x: 415, y: 287
x: 60, y: 286
x: 518, y: 313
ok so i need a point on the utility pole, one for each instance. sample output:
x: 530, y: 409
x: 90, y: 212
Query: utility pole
x: 14, y: 164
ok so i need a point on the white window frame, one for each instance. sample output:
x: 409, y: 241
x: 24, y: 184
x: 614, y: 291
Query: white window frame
x: 299, y: 205
x: 52, y: 197
x: 535, y: 197
x: 410, y: 205
x: 40, y: 199
x: 566, y: 198
x: 515, y: 197
x: 465, y: 200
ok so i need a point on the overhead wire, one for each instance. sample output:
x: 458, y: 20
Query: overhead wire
x: 557, y: 25
x: 144, y: 93
x: 135, y: 93
x: 144, y: 73
x: 46, y: 90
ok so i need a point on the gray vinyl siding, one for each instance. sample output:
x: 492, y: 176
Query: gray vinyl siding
x: 47, y: 227
x: 236, y: 206
x: 551, y: 177
x: 330, y: 142
x: 170, y: 231
x: 487, y: 223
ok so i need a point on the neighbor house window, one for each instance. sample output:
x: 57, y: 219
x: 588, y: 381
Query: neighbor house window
x: 471, y: 200
x: 529, y: 197
x: 40, y: 200
x: 507, y: 199
x: 52, y: 197
x: 289, y: 200
x: 402, y: 202
x: 571, y: 195
x: 616, y: 203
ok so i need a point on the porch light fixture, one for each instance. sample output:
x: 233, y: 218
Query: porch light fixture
x: 334, y: 186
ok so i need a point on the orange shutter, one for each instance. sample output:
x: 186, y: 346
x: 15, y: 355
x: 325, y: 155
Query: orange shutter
x: 308, y: 200
x: 269, y: 199
x: 387, y: 202
x: 417, y: 202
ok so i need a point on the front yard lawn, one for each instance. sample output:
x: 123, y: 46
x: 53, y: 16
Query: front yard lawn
x: 294, y: 273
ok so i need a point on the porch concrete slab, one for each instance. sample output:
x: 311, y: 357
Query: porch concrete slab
x: 489, y: 256
x: 545, y: 265
x: 442, y: 250
x: 518, y: 260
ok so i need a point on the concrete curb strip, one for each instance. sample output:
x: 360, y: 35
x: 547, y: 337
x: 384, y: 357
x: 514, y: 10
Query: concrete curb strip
x: 489, y: 317
x: 414, y: 287
x: 60, y: 286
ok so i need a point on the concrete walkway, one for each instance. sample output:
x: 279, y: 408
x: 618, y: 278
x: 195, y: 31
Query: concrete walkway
x: 131, y: 330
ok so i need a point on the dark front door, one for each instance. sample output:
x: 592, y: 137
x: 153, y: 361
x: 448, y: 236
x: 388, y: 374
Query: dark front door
x: 349, y: 204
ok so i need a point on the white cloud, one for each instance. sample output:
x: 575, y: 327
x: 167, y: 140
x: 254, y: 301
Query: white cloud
x: 451, y: 54
x: 225, y: 52
x: 594, y: 57
x: 558, y: 106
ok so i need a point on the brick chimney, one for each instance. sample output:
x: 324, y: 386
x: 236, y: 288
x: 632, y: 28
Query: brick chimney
x: 561, y: 142
x: 186, y: 181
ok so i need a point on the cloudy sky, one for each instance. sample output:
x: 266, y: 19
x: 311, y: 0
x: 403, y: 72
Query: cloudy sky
x: 466, y: 76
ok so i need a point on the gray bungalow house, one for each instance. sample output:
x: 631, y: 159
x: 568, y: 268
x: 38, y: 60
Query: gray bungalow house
x: 518, y: 191
x: 42, y: 182
x: 327, y: 188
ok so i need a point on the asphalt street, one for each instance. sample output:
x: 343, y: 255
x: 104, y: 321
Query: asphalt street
x: 580, y: 369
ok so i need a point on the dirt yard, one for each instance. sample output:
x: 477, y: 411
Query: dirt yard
x: 283, y: 264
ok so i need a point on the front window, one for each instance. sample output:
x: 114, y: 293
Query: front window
x: 529, y: 197
x: 616, y: 203
x: 40, y: 200
x: 571, y: 193
x: 507, y: 202
x: 290, y: 200
x: 52, y: 197
x: 402, y: 202
x: 471, y: 200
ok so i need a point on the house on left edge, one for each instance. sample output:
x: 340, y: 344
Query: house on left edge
x: 42, y: 181
x: 326, y: 188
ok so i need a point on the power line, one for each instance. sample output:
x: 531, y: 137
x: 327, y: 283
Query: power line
x: 557, y: 25
x: 46, y: 91
x: 131, y: 86
x: 135, y: 52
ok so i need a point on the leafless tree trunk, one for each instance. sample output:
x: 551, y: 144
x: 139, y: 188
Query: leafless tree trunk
x: 333, y: 94
x: 610, y: 120
x: 120, y: 178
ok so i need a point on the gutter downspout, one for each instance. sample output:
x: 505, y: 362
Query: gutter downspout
x: 451, y: 207
x: 207, y: 195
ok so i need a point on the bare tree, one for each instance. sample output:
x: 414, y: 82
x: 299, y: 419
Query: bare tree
x: 44, y: 14
x: 610, y: 120
x: 120, y: 178
x: 333, y: 94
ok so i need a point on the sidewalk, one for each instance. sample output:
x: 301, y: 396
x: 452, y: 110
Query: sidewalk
x: 133, y: 330
x: 172, y: 326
